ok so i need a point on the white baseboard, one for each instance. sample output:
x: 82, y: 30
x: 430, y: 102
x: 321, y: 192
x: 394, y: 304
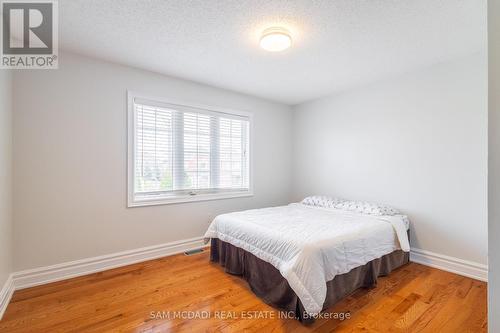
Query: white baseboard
x: 6, y: 294
x: 450, y: 264
x: 43, y: 275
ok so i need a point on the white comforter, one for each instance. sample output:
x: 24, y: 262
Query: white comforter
x: 311, y: 245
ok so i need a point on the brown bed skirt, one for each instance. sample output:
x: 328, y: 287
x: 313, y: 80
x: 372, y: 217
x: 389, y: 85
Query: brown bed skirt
x: 268, y: 283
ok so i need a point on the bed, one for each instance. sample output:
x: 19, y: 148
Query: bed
x: 305, y: 257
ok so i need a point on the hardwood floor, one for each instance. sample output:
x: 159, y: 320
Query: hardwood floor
x: 138, y: 298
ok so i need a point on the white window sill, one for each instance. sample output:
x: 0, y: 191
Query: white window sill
x: 186, y: 198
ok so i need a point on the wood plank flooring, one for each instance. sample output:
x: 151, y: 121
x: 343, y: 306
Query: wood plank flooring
x: 157, y: 296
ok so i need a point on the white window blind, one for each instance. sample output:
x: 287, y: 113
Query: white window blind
x: 186, y: 152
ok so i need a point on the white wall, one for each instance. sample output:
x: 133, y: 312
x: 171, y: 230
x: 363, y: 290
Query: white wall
x: 70, y: 162
x: 494, y: 166
x: 5, y: 176
x: 417, y: 142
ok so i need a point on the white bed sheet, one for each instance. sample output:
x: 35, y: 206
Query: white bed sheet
x: 311, y: 245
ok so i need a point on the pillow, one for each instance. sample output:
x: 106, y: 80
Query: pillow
x: 362, y: 207
x: 322, y: 201
x: 369, y: 208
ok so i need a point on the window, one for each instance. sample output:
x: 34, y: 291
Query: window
x: 180, y: 153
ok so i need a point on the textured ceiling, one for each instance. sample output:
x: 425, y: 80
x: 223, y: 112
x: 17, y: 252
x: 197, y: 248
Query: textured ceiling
x: 337, y: 43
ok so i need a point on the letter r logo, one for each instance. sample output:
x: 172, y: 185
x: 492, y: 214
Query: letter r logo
x: 27, y: 27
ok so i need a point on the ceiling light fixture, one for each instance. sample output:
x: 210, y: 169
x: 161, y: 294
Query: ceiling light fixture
x: 275, y: 39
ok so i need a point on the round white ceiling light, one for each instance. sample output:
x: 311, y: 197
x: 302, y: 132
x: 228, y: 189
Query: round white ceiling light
x: 275, y: 39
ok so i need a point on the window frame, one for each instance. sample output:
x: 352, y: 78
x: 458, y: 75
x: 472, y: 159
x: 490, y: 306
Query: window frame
x: 132, y: 201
